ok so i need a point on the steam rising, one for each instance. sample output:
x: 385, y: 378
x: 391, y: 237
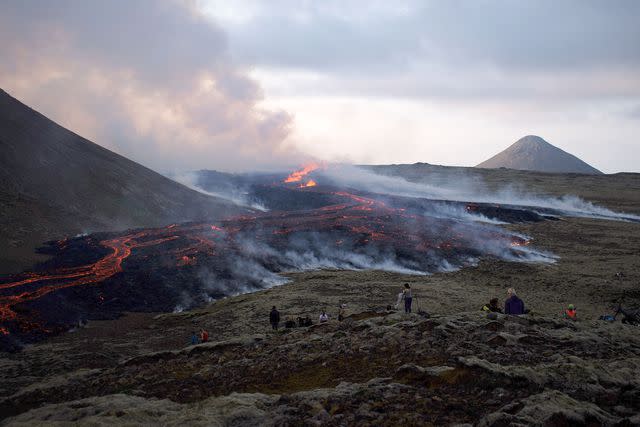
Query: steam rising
x: 236, y: 195
x: 459, y: 187
x: 256, y: 263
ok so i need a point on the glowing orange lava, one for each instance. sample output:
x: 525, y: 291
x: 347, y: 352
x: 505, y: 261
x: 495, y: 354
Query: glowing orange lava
x: 353, y: 220
x: 521, y: 243
x: 84, y: 275
x: 301, y: 173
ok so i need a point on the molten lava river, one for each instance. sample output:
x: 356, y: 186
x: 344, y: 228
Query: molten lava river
x: 101, y: 275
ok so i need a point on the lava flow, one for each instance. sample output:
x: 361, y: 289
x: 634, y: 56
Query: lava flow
x: 38, y: 285
x: 298, y: 176
x: 189, y: 264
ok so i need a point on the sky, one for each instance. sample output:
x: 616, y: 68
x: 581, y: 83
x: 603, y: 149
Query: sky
x: 264, y: 85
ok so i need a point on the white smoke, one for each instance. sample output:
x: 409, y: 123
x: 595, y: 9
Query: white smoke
x: 234, y: 195
x: 461, y: 188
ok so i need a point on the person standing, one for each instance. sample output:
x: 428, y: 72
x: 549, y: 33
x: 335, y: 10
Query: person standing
x: 324, y: 317
x: 408, y: 298
x: 274, y: 318
x: 204, y: 336
x: 513, y: 305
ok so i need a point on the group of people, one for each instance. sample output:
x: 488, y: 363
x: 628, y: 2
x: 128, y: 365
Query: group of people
x: 199, y: 338
x: 274, y: 318
x: 515, y: 306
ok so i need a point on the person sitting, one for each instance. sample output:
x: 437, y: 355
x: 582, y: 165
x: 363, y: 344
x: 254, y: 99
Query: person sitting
x: 204, y: 336
x: 492, y: 307
x: 324, y: 317
x: 290, y: 323
x: 570, y: 313
x: 194, y: 338
x: 513, y: 305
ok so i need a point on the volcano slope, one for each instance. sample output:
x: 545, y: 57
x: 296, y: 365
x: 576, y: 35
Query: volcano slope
x: 376, y: 367
x: 54, y: 183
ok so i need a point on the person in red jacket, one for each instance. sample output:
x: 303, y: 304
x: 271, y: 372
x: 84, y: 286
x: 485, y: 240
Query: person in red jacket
x: 571, y: 313
x: 204, y: 335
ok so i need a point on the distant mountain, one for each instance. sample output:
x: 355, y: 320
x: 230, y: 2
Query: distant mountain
x: 54, y: 183
x: 535, y: 154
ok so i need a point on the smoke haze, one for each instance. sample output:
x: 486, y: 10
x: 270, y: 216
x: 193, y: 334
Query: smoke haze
x: 153, y: 81
x: 456, y: 186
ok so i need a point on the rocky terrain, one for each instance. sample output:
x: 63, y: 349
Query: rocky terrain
x: 372, y: 368
x: 376, y: 367
x: 452, y: 365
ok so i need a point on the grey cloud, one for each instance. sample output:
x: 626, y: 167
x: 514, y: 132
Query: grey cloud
x: 154, y: 39
x: 152, y: 79
x: 514, y: 34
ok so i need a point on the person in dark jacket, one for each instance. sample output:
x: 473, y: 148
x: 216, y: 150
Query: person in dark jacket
x: 513, y: 305
x: 274, y: 318
x: 408, y: 297
x: 493, y: 306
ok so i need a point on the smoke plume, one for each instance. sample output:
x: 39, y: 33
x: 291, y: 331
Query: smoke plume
x: 153, y: 81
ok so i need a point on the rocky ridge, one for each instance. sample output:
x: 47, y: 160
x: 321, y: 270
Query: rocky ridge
x: 382, y: 368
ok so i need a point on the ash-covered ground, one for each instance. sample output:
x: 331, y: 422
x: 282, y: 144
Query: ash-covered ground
x: 376, y: 367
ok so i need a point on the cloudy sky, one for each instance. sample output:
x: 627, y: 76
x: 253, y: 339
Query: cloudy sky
x: 265, y: 84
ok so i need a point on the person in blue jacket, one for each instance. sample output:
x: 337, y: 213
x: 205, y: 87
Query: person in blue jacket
x: 513, y: 305
x: 194, y: 338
